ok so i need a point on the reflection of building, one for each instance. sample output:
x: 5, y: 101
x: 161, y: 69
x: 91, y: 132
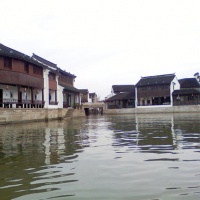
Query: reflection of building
x: 157, y: 132
x: 32, y: 151
x: 156, y: 90
x: 33, y: 82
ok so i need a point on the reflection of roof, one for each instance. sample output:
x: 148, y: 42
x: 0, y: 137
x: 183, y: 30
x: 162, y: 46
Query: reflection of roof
x: 83, y: 91
x: 156, y: 80
x: 122, y: 96
x: 186, y: 92
x: 8, y: 52
x: 70, y: 88
x: 189, y: 83
x: 123, y: 88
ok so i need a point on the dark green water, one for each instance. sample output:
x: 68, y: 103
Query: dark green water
x: 143, y: 157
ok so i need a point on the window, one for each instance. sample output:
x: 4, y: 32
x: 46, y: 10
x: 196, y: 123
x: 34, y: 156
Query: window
x: 26, y: 67
x: 37, y: 70
x: 65, y: 79
x: 52, y: 76
x: 7, y: 63
x: 190, y: 98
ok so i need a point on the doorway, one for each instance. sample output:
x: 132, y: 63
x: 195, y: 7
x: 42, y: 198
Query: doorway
x: 1, y: 98
x: 20, y: 99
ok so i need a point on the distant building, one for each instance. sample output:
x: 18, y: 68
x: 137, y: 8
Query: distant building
x: 189, y: 92
x: 84, y: 95
x: 93, y: 97
x: 156, y: 90
x: 122, y: 88
x: 124, y: 97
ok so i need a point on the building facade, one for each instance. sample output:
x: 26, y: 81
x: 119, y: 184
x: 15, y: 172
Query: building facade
x: 84, y: 95
x: 156, y: 90
x: 32, y: 82
x: 123, y: 97
x: 189, y: 92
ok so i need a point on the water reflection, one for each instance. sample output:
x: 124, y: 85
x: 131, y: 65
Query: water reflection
x: 150, y: 133
x: 31, y: 155
x: 102, y: 157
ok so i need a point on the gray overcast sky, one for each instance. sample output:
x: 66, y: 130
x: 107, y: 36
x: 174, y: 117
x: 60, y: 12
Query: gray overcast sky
x: 106, y: 42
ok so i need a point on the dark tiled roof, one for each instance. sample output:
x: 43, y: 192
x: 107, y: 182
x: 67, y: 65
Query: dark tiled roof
x: 92, y: 94
x: 123, y: 88
x: 83, y: 91
x: 70, y: 88
x: 186, y: 92
x: 189, y: 83
x: 156, y: 80
x: 66, y: 73
x: 6, y: 51
x: 122, y: 96
x: 48, y: 63
x: 42, y: 60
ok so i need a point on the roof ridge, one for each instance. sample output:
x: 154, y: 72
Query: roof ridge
x: 34, y: 55
x: 158, y: 75
x: 13, y: 50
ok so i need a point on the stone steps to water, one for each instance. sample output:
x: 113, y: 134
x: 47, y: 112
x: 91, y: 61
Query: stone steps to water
x: 69, y: 113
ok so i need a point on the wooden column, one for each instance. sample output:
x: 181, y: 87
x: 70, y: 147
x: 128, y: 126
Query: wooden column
x: 19, y: 96
x: 43, y: 98
x: 56, y: 97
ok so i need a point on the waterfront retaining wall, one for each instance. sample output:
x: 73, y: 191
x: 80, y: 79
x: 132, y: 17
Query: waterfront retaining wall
x: 25, y: 115
x: 174, y: 109
x: 19, y: 115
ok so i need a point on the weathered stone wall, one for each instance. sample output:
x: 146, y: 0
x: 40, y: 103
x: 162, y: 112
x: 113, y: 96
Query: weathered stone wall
x: 174, y: 109
x: 24, y: 115
x: 79, y: 113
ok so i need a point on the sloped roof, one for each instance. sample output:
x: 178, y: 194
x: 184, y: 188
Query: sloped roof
x: 123, y: 88
x: 122, y: 96
x: 52, y: 65
x: 186, y: 91
x: 83, y: 91
x: 91, y: 95
x: 70, y: 88
x: 66, y: 73
x: 164, y: 79
x: 44, y: 61
x: 7, y: 51
x: 189, y: 83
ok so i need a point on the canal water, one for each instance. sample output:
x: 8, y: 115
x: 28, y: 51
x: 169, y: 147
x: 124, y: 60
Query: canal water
x: 142, y: 157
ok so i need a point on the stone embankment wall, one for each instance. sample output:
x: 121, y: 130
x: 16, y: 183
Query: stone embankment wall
x: 174, y: 109
x: 29, y: 115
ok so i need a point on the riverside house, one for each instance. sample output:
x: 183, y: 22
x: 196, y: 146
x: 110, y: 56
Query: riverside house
x: 189, y: 92
x: 123, y: 96
x: 156, y: 90
x: 61, y: 85
x: 84, y: 95
x: 33, y: 82
x: 93, y: 97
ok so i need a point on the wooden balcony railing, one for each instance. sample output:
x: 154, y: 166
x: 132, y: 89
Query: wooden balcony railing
x: 9, y: 103
x: 53, y: 103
